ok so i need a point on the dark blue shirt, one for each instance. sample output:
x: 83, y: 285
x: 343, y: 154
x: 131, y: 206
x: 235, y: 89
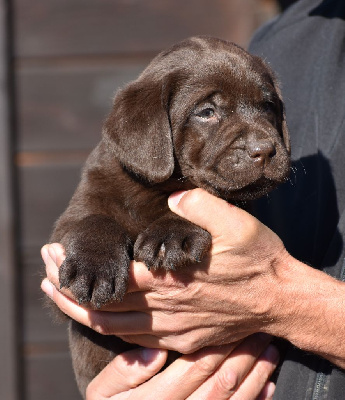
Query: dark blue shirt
x: 306, y: 48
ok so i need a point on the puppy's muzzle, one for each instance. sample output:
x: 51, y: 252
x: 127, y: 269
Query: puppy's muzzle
x: 261, y: 151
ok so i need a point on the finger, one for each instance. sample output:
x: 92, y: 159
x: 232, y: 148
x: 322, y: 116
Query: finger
x: 53, y: 256
x: 267, y: 392
x: 229, y: 376
x: 184, y: 375
x: 57, y: 253
x: 140, y: 278
x: 133, y: 327
x: 134, y: 301
x: 255, y: 385
x: 126, y: 371
x: 211, y: 213
x: 126, y: 323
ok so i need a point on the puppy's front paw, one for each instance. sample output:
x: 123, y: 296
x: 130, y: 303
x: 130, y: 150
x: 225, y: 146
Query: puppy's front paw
x: 171, y: 243
x: 97, y: 259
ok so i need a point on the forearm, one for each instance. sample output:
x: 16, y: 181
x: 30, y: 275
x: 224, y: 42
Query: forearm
x: 310, y: 311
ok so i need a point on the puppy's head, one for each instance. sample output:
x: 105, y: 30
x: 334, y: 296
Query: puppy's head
x: 209, y: 109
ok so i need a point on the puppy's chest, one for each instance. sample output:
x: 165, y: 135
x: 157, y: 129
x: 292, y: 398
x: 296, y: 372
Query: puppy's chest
x: 139, y: 210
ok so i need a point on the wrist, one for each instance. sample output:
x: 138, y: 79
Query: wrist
x: 309, y: 310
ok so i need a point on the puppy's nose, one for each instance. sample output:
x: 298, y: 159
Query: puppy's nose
x: 261, y: 151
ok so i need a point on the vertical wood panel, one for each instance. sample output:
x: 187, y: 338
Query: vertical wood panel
x: 50, y: 377
x: 44, y: 194
x: 62, y: 108
x: 8, y: 328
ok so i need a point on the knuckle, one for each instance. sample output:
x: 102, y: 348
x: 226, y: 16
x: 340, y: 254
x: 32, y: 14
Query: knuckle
x: 175, y: 343
x: 170, y: 303
x: 187, y: 345
x: 206, y: 366
x: 132, y: 380
x: 127, y: 339
x: 226, y: 381
x: 193, y: 197
x: 91, y: 393
x: 100, y: 325
x: 263, y: 371
x: 184, y: 348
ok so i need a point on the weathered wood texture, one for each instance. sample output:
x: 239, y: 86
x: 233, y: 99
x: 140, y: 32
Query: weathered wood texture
x: 70, y: 57
x: 9, y: 370
x: 53, y: 28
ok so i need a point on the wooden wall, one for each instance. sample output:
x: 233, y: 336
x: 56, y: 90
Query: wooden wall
x: 9, y: 304
x: 69, y: 57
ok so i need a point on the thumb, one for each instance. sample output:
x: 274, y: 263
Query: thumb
x: 211, y: 213
x: 125, y: 372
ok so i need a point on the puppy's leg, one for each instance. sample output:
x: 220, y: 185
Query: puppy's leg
x: 98, y: 253
x: 91, y: 352
x: 171, y: 242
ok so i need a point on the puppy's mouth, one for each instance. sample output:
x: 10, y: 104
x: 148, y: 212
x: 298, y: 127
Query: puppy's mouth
x: 245, y: 181
x: 254, y: 190
x: 251, y: 191
x: 252, y: 178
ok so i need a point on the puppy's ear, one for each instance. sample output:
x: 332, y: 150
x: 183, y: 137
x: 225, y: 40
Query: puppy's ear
x: 286, y: 135
x: 284, y: 127
x: 138, y: 130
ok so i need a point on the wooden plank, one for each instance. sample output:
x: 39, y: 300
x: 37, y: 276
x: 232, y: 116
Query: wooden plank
x: 50, y: 376
x: 63, y: 27
x: 44, y: 194
x: 8, y: 329
x: 38, y: 327
x: 62, y: 107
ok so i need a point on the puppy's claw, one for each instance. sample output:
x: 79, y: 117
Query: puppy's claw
x: 67, y: 274
x: 170, y: 248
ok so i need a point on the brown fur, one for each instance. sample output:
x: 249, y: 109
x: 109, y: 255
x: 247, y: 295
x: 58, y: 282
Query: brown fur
x: 204, y: 114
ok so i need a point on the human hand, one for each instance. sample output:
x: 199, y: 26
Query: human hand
x: 213, y: 373
x: 249, y: 283
x: 230, y: 295
x: 236, y: 371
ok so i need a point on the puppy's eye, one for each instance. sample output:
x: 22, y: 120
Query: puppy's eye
x: 206, y: 113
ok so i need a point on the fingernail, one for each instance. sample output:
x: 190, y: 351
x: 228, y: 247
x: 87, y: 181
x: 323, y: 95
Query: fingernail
x: 149, y: 355
x: 175, y: 198
x: 44, y: 252
x: 271, y: 387
x: 48, y: 288
x: 52, y: 253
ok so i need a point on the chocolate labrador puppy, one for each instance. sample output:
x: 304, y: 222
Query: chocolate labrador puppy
x: 204, y: 113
